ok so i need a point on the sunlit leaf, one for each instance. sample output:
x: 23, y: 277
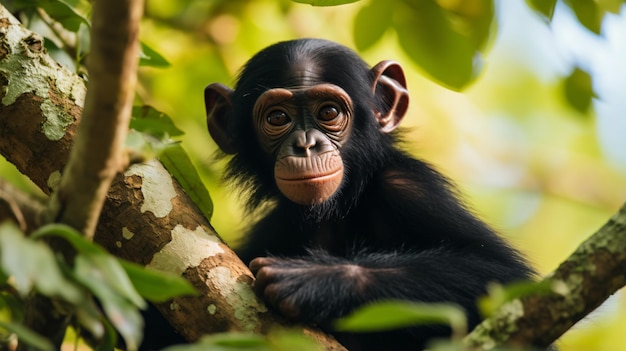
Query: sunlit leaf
x: 431, y: 41
x: 226, y: 342
x: 578, y: 90
x: 388, y: 315
x: 498, y: 295
x: 149, y: 57
x: 588, y: 14
x: 371, y: 23
x: 147, y: 119
x: 28, y: 337
x: 325, y: 2
x: 287, y: 340
x: 157, y: 286
x: 178, y: 163
x: 62, y: 12
x: 612, y: 6
x: 543, y: 7
x: 33, y: 264
x: 472, y: 18
x: 280, y: 340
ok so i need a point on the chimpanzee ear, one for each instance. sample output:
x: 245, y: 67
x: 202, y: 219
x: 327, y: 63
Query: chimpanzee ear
x: 219, y: 109
x: 389, y: 81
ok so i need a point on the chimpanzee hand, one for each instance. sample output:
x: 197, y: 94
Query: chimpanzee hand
x: 306, y: 290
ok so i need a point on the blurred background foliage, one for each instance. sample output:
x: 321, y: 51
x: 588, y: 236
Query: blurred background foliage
x: 521, y: 103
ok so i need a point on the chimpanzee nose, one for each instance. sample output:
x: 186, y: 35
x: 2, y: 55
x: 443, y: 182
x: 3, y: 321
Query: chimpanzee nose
x: 312, y: 141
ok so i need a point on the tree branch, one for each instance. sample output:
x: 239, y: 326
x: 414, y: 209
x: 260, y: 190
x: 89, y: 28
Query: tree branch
x: 595, y: 271
x: 97, y: 154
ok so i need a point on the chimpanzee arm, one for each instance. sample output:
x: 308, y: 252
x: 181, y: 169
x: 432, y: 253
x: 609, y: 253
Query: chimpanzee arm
x: 320, y: 287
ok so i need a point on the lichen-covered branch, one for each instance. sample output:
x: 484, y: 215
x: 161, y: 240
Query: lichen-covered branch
x: 147, y: 217
x: 595, y: 271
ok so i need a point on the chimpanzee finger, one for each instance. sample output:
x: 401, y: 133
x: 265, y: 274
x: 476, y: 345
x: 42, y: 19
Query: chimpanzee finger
x: 259, y: 263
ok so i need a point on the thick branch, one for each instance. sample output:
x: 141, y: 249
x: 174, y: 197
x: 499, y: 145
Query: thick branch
x: 589, y: 276
x: 97, y: 154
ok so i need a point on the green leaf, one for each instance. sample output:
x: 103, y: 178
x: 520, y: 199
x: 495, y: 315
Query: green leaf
x: 157, y: 286
x: 92, y: 261
x: 578, y: 90
x: 371, y: 23
x: 109, y: 340
x: 149, y: 57
x: 70, y: 234
x: 124, y: 316
x: 287, y: 340
x: 12, y: 304
x: 119, y: 299
x: 545, y: 8
x: 147, y: 119
x: 158, y: 125
x: 325, y: 2
x: 33, y: 264
x: 498, y: 295
x: 388, y: 315
x: 471, y: 18
x: 63, y: 13
x: 434, y: 43
x: 27, y: 336
x: 90, y: 318
x: 588, y: 13
x: 100, y: 271
x: 178, y: 163
x: 226, y: 342
x: 612, y: 6
x: 277, y: 340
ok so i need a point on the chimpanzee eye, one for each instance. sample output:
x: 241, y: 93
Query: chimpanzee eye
x: 328, y: 113
x: 278, y: 118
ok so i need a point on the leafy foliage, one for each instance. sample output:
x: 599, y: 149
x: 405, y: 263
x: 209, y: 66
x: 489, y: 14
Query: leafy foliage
x: 543, y: 7
x: 578, y: 90
x: 325, y: 2
x: 386, y: 315
x: 277, y: 340
x: 71, y: 14
x: 156, y: 128
x: 149, y: 57
x: 32, y: 265
x: 589, y: 14
x: 498, y: 295
x: 445, y: 39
